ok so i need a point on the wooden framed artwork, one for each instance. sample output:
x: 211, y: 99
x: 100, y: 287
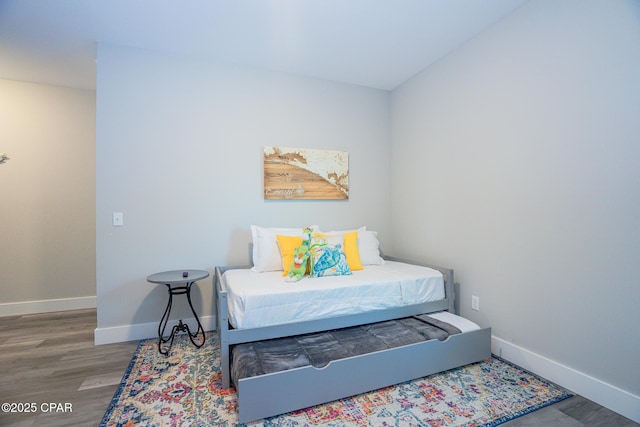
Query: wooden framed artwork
x: 305, y: 174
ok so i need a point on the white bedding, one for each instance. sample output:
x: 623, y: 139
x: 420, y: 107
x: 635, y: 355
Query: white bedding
x: 265, y: 299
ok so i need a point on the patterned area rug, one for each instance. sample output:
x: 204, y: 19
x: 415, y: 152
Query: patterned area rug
x: 183, y: 389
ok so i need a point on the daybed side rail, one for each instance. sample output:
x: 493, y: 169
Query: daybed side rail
x: 447, y: 273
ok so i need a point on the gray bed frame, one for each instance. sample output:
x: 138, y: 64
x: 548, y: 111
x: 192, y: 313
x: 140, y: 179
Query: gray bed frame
x: 277, y: 393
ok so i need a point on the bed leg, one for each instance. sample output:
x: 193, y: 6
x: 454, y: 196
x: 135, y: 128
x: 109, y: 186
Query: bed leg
x: 224, y: 360
x: 222, y: 328
x: 223, y: 338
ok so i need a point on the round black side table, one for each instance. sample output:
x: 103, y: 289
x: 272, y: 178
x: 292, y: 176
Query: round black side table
x: 178, y: 282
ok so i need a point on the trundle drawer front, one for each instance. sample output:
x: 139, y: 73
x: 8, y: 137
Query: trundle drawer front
x: 277, y: 393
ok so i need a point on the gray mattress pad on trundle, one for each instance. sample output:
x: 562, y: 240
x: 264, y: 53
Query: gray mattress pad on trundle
x: 318, y: 349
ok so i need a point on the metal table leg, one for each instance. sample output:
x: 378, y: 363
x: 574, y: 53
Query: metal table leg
x: 180, y: 327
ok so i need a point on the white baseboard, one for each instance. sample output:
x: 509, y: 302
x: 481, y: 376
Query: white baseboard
x: 142, y: 331
x: 46, y: 306
x: 607, y: 395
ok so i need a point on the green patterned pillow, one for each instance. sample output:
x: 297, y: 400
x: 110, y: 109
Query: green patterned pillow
x: 328, y: 257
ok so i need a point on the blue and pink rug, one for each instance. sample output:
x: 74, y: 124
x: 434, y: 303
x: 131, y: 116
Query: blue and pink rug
x: 184, y: 390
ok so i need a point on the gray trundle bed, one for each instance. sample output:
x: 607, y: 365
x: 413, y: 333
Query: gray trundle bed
x: 343, y: 373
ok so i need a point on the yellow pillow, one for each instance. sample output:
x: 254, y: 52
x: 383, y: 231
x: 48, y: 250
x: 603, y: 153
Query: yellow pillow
x: 350, y: 249
x: 287, y: 245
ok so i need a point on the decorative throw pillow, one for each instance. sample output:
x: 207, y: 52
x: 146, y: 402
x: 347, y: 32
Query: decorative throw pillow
x: 290, y: 246
x: 350, y: 246
x: 351, y: 250
x: 328, y: 257
x: 287, y: 245
x: 300, y: 265
x: 266, y: 253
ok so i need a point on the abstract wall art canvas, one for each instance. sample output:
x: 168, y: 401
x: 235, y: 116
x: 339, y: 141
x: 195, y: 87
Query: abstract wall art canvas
x: 305, y: 174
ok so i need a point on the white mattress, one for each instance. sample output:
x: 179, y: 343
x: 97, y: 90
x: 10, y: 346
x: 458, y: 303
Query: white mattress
x: 265, y: 299
x: 461, y: 323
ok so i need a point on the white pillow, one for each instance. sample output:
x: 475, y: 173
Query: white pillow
x: 369, y: 248
x: 266, y: 252
x: 359, y: 230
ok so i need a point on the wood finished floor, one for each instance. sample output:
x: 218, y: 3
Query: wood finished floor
x: 51, y: 358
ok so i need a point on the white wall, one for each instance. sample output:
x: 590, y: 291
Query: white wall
x: 515, y: 161
x: 179, y: 149
x: 47, y: 198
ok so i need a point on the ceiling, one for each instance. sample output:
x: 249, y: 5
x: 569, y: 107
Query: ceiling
x: 374, y: 43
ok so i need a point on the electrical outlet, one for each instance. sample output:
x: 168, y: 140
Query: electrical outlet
x: 118, y: 219
x: 475, y: 303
